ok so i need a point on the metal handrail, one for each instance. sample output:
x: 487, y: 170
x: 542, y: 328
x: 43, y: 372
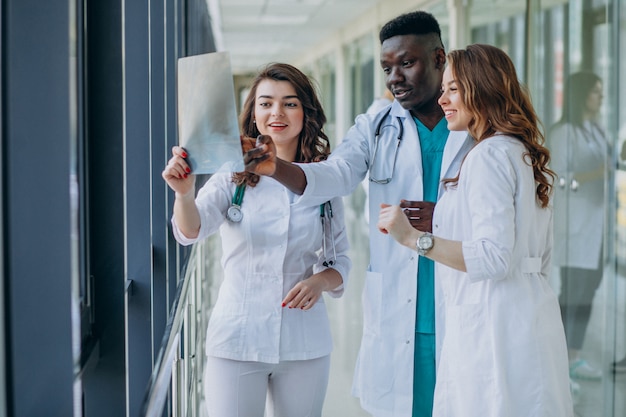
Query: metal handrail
x: 178, y: 368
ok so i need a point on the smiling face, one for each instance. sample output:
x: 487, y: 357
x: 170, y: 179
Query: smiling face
x: 451, y: 102
x: 279, y: 113
x: 413, y: 66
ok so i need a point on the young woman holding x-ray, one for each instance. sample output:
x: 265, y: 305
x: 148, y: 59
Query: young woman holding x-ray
x: 269, y: 335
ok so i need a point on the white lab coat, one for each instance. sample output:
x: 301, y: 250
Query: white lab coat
x: 500, y: 338
x: 579, y: 228
x: 276, y: 245
x: 384, y: 371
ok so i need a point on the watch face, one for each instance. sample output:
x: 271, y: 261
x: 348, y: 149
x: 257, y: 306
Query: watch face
x: 234, y: 214
x: 426, y: 242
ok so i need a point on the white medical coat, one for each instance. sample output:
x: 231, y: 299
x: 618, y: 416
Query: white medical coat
x: 276, y: 245
x: 500, y: 338
x: 384, y: 371
x: 579, y: 228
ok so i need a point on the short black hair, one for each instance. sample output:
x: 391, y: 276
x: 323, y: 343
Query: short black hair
x: 413, y: 23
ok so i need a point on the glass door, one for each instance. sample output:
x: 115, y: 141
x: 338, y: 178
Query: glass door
x: 575, y: 118
x: 562, y: 51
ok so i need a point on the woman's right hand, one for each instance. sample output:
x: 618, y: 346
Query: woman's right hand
x: 393, y: 221
x: 177, y: 172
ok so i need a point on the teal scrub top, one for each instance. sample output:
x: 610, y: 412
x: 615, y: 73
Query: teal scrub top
x: 431, y: 144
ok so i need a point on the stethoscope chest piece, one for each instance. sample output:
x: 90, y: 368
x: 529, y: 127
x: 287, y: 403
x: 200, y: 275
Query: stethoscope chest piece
x: 234, y: 213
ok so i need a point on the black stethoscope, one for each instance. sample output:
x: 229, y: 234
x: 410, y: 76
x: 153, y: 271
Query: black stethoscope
x: 235, y: 215
x: 386, y: 179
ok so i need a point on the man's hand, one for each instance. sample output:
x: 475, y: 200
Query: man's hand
x: 419, y: 213
x: 247, y: 143
x: 261, y: 160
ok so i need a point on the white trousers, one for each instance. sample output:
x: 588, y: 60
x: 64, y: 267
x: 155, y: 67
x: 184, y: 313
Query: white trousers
x: 247, y: 389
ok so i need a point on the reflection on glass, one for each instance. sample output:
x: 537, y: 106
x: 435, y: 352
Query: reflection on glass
x: 579, y: 154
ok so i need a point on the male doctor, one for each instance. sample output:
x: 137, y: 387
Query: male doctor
x: 405, y: 150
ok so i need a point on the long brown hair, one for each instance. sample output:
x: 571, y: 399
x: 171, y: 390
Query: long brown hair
x: 313, y: 144
x: 491, y: 92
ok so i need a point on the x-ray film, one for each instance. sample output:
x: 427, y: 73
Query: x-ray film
x: 207, y: 115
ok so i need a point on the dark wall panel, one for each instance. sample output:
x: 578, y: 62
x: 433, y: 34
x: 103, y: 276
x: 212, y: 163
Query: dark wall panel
x: 36, y: 222
x: 104, y: 381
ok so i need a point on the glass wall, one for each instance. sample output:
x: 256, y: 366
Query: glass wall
x: 569, y: 54
x: 361, y: 74
x: 616, y: 99
x: 325, y: 73
x: 563, y: 56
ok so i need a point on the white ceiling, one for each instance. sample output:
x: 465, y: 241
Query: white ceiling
x: 256, y: 32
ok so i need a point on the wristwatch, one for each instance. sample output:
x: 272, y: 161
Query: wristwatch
x: 425, y: 243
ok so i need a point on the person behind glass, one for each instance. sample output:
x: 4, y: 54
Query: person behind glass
x: 404, y: 150
x: 501, y: 342
x: 579, y: 152
x: 268, y: 334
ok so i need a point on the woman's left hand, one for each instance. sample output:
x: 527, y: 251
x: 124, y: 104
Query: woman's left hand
x: 305, y: 293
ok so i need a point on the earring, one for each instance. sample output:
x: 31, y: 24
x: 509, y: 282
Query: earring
x: 254, y: 121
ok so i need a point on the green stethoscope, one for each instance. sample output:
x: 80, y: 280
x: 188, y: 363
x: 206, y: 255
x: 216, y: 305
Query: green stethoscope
x: 235, y: 215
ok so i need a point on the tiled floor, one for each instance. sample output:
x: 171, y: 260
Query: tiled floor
x: 605, y: 338
x: 346, y: 318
